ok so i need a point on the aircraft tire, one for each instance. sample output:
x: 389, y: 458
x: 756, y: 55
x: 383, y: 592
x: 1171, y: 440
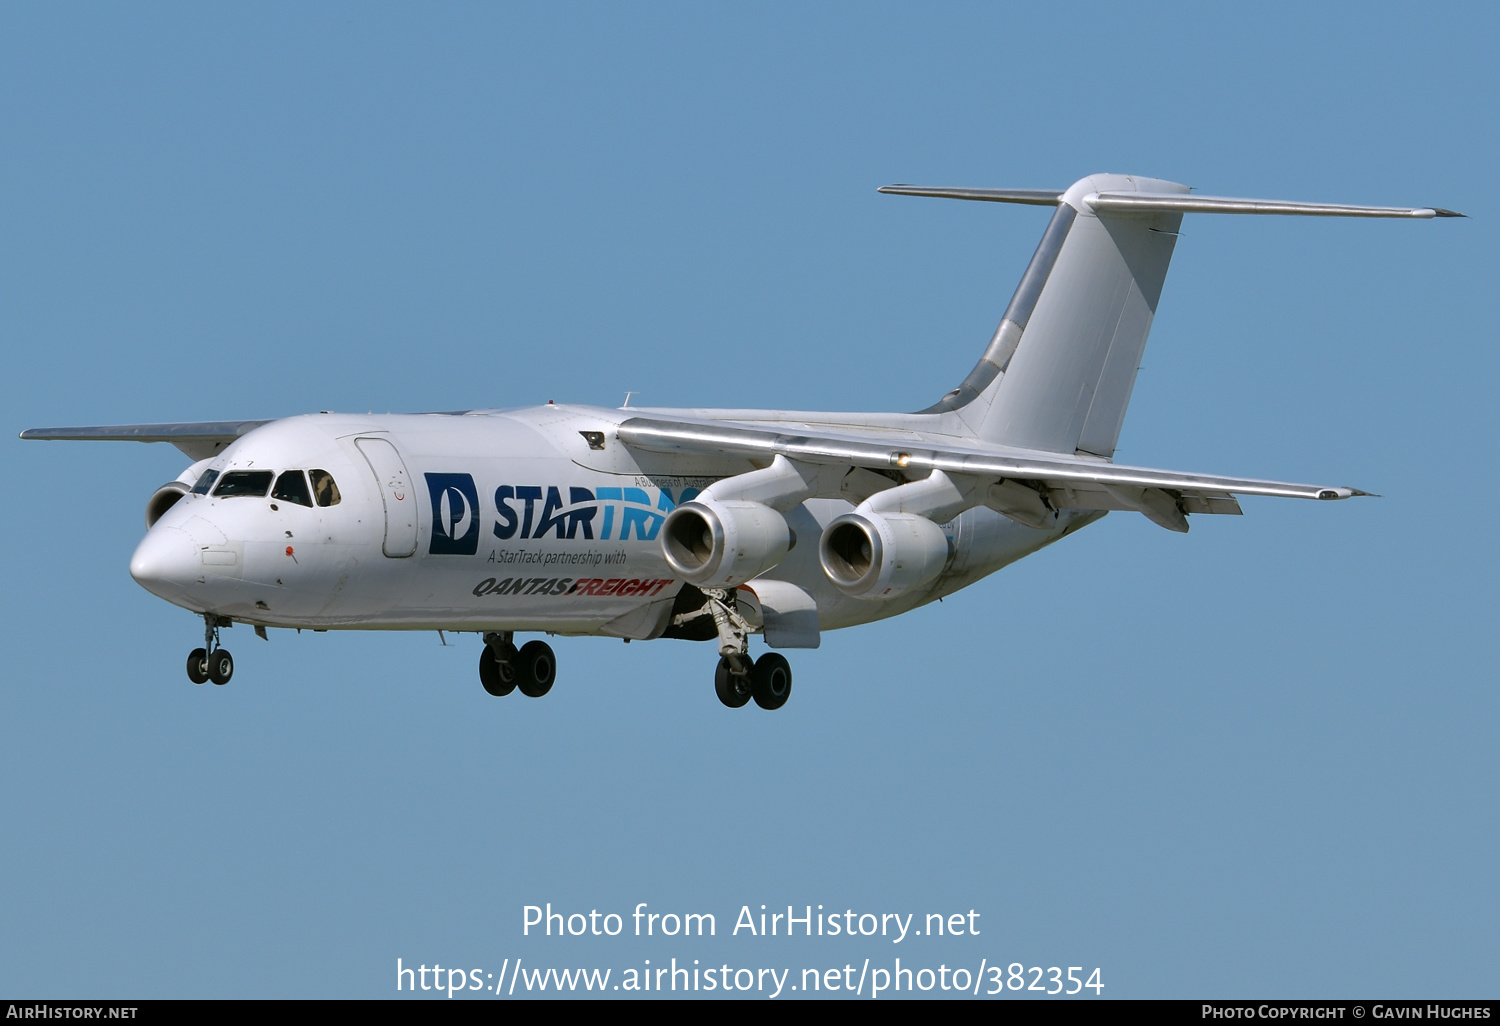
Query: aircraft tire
x: 197, y: 666
x: 499, y: 680
x: 772, y: 679
x: 536, y: 669
x: 220, y: 666
x: 732, y: 691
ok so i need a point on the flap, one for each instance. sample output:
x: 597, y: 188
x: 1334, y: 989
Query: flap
x: 788, y: 614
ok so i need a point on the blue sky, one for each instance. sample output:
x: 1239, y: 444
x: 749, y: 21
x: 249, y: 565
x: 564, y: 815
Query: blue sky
x: 1256, y: 760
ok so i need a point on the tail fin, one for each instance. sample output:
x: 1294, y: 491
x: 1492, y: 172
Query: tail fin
x: 1058, y: 373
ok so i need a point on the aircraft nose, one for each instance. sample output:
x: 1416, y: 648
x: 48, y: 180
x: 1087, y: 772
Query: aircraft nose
x: 166, y: 562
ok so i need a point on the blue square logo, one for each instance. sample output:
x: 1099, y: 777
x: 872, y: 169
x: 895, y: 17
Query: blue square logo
x: 455, y: 514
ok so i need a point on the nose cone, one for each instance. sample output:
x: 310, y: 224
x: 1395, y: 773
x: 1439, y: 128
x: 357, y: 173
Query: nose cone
x: 166, y: 563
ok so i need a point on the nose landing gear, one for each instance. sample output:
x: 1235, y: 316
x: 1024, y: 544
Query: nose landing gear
x: 211, y: 663
x: 503, y: 667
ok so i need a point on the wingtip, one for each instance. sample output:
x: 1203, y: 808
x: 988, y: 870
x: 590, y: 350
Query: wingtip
x: 1441, y: 212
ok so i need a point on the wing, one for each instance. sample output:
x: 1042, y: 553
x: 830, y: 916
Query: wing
x: 199, y: 441
x: 1027, y: 485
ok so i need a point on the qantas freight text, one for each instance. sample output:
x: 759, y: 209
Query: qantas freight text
x: 598, y: 586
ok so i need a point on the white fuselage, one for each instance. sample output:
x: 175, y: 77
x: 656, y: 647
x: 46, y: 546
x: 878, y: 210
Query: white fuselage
x: 510, y: 520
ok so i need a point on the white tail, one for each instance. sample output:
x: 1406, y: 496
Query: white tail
x: 1058, y: 373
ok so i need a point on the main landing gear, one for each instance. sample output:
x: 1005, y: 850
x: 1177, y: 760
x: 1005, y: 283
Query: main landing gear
x: 737, y: 679
x: 768, y: 681
x: 503, y: 667
x: 210, y: 663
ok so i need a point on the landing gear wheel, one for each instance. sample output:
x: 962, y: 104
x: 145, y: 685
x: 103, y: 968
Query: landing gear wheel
x: 772, y: 678
x: 498, y: 675
x: 733, y: 691
x: 536, y: 669
x: 197, y: 666
x: 220, y: 666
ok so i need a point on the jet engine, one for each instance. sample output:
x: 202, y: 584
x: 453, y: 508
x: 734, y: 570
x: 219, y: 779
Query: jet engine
x: 719, y: 543
x: 163, y: 499
x: 878, y: 555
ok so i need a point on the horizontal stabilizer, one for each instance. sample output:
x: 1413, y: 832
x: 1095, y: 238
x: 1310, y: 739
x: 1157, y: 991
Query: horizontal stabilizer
x: 1165, y: 203
x: 1031, y: 197
x: 1169, y: 203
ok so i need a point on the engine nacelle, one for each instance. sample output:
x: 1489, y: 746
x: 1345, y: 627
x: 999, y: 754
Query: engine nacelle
x: 719, y: 543
x: 163, y: 499
x: 878, y: 555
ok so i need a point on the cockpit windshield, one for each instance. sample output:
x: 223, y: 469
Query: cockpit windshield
x: 324, y: 488
x: 292, y: 487
x: 244, y: 482
x: 205, y: 482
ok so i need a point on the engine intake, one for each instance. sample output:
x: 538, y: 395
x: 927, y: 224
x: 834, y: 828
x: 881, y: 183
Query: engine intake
x: 163, y: 499
x: 721, y: 543
x: 875, y: 555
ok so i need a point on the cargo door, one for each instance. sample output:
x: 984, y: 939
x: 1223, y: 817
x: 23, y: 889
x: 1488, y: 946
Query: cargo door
x: 394, y: 484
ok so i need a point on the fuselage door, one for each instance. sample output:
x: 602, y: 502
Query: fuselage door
x: 396, y: 493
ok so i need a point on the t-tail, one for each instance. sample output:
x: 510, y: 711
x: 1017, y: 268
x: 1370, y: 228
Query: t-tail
x: 1058, y: 373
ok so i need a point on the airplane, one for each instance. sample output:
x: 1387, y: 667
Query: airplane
x: 700, y: 524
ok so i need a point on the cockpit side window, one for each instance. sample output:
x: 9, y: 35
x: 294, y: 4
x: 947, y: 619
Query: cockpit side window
x: 292, y: 487
x: 205, y: 482
x: 324, y: 488
x: 244, y: 482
